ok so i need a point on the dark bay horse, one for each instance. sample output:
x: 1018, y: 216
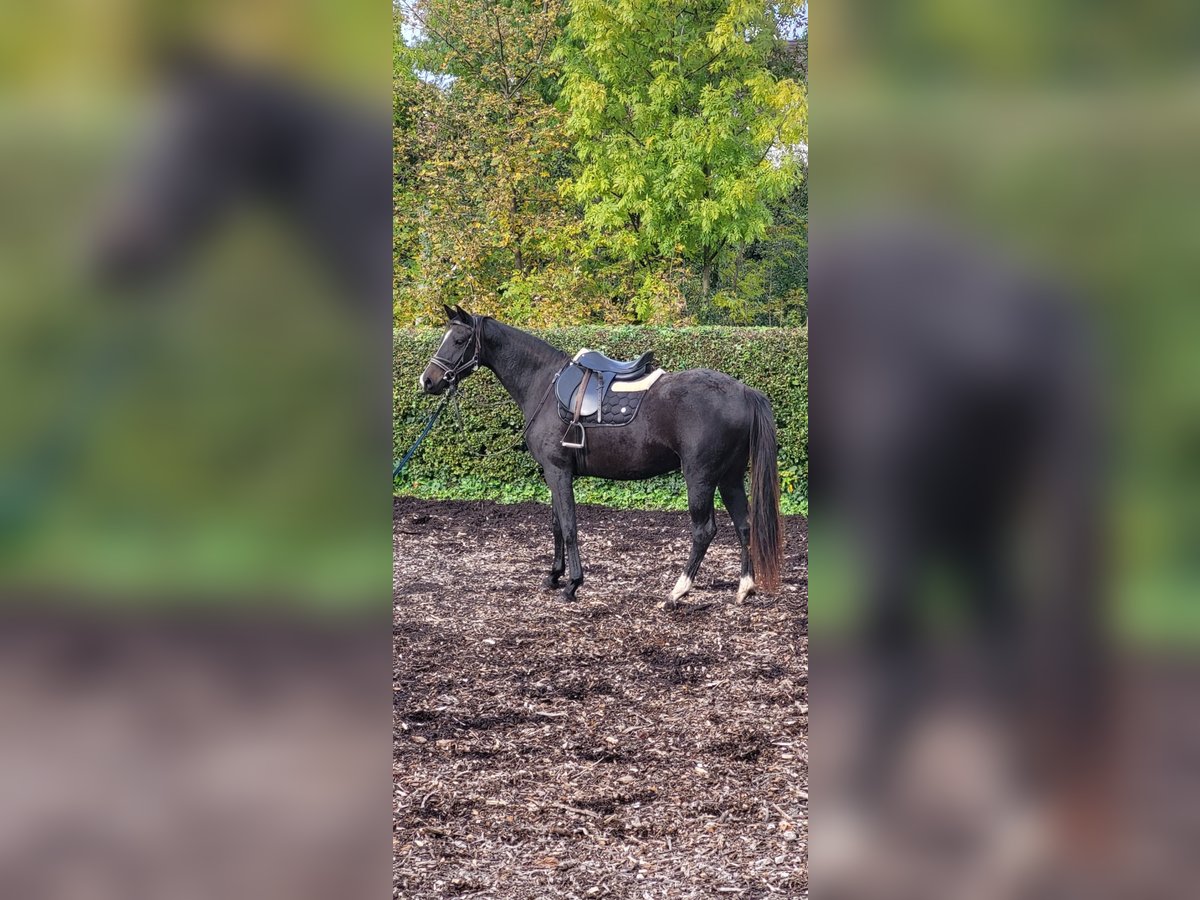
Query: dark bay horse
x: 227, y: 135
x: 706, y: 423
x: 963, y: 433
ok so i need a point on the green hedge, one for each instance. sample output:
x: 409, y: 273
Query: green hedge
x: 485, y: 458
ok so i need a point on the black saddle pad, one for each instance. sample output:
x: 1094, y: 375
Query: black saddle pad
x: 615, y: 409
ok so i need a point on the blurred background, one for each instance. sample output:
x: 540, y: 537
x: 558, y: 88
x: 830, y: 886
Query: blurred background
x: 184, y: 382
x: 1004, y: 476
x: 194, y: 371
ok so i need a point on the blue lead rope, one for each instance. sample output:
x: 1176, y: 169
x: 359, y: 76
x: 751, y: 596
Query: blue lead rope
x: 432, y: 420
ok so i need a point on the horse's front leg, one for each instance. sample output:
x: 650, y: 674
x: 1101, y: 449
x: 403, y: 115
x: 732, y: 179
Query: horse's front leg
x: 562, y: 495
x: 558, y: 566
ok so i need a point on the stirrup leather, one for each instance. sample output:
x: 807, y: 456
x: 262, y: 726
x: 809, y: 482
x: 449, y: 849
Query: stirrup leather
x: 576, y: 412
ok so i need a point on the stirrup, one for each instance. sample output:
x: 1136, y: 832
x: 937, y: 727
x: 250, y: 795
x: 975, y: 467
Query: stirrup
x: 582, y: 436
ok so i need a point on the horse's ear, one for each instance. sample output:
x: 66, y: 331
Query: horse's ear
x: 449, y: 313
x: 462, y: 313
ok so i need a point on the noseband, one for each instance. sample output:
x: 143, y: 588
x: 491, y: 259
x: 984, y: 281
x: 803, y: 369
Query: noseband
x: 451, y: 371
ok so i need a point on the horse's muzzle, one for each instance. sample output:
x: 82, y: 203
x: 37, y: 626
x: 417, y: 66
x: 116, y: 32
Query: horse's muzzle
x: 432, y: 381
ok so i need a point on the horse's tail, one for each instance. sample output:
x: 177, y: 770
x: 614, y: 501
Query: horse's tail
x: 766, y: 531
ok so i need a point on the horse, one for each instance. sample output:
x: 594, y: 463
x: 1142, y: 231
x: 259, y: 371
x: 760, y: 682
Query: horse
x: 961, y: 409
x: 228, y: 134
x: 706, y: 423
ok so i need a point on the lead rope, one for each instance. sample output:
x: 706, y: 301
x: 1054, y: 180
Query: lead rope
x: 429, y: 423
x: 28, y: 487
x: 453, y: 394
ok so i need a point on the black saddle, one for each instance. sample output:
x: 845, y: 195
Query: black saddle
x: 582, y: 390
x: 598, y: 362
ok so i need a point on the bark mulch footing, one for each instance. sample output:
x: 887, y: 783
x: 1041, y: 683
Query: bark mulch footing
x: 601, y: 748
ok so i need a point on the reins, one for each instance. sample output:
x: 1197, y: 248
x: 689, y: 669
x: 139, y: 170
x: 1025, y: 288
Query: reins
x: 451, y: 373
x: 104, y: 369
x: 542, y: 402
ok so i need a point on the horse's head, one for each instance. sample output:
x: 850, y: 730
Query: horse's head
x: 458, y: 355
x: 212, y: 136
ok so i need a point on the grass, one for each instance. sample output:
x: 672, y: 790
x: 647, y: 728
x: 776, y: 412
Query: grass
x: 667, y: 492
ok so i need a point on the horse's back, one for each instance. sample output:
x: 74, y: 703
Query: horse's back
x: 688, y: 418
x: 700, y: 408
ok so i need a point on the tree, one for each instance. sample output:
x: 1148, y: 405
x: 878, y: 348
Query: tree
x: 684, y: 134
x: 766, y: 282
x: 488, y: 152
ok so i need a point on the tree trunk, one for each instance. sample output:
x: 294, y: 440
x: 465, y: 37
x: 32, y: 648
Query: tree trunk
x: 706, y: 275
x: 515, y: 207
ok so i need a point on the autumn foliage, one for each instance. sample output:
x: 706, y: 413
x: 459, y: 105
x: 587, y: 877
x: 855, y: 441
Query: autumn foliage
x: 574, y: 161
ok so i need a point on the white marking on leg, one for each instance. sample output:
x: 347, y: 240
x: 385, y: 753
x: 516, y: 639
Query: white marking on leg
x: 682, y: 586
x: 746, y: 588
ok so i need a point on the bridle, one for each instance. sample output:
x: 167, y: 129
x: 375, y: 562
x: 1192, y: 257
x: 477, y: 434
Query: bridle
x: 451, y: 372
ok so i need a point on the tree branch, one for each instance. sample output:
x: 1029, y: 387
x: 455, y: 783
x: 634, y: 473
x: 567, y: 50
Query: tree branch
x: 700, y: 68
x: 424, y: 23
x: 537, y: 58
x: 770, y: 144
x: 503, y: 62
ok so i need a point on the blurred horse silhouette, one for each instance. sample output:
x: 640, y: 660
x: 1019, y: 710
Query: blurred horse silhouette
x: 225, y: 135
x: 957, y: 423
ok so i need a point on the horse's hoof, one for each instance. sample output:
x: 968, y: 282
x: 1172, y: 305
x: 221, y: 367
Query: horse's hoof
x: 746, y: 588
x: 670, y: 604
x: 552, y: 582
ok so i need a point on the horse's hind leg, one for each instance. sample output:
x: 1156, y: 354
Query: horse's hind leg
x: 733, y: 493
x: 704, y: 527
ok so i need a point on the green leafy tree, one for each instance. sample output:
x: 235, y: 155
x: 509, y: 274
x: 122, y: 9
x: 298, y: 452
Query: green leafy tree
x: 766, y: 283
x: 684, y: 134
x: 489, y: 226
x: 487, y: 176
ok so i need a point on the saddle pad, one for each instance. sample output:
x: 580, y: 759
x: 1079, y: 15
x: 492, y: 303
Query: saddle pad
x: 620, y: 403
x: 642, y: 384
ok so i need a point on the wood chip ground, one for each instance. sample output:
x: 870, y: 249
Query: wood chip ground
x: 601, y: 748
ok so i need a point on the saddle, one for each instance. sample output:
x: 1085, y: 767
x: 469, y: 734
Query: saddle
x: 588, y: 389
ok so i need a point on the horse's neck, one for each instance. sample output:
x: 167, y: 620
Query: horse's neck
x: 344, y: 220
x: 523, y: 363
